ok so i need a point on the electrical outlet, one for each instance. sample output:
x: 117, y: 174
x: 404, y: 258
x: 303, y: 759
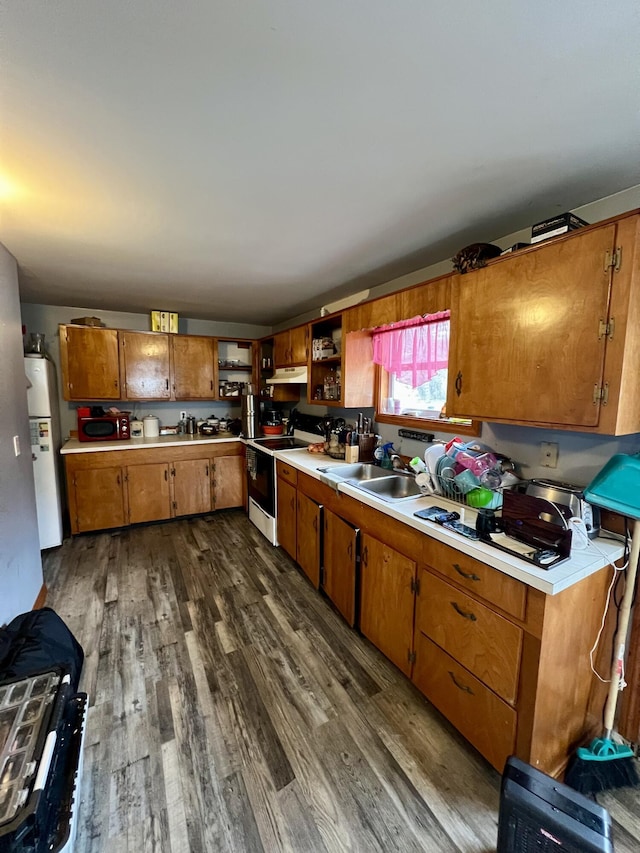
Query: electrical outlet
x: 549, y: 454
x: 183, y: 415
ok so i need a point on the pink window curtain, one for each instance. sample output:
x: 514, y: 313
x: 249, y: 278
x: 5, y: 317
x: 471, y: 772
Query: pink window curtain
x: 413, y: 350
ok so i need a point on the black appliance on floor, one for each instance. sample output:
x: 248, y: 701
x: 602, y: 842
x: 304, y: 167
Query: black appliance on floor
x: 539, y: 814
x: 42, y: 725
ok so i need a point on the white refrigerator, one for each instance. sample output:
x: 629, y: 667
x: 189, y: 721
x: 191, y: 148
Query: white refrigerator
x: 44, y: 422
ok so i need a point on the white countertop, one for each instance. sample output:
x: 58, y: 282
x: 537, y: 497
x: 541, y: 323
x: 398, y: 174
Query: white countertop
x: 551, y: 581
x: 72, y: 445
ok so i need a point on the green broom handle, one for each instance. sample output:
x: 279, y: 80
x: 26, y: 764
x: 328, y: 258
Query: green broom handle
x: 621, y: 633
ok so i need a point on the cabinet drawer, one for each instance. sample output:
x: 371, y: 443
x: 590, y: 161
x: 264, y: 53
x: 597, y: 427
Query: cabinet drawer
x: 478, y: 714
x: 484, y: 642
x: 502, y: 591
x: 287, y: 473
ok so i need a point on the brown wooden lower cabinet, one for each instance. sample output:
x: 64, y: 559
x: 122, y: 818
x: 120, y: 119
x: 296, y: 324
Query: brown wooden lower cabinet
x: 484, y: 719
x: 109, y: 489
x: 148, y: 492
x: 309, y: 537
x: 99, y: 498
x: 505, y: 663
x: 228, y: 483
x: 191, y: 486
x: 483, y: 641
x: 339, y: 564
x: 286, y: 517
x: 387, y: 599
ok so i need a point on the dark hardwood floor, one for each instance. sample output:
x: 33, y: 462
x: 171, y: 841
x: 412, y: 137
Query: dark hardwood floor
x: 233, y: 710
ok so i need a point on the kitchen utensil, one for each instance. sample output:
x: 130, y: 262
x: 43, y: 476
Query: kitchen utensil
x: 192, y: 425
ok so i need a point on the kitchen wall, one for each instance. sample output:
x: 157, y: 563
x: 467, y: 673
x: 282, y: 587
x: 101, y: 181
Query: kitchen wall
x: 580, y: 455
x: 20, y: 563
x: 45, y: 318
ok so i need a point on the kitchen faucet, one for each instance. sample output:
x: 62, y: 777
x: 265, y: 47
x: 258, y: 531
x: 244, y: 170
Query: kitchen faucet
x: 398, y: 464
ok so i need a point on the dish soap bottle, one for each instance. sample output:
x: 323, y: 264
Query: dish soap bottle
x: 386, y: 455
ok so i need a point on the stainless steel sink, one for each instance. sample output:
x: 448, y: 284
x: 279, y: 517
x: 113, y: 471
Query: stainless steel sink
x: 358, y: 471
x: 394, y: 487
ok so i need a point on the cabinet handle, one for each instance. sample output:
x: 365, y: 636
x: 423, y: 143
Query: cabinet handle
x: 166, y: 384
x: 206, y: 471
x: 118, y: 479
x: 365, y: 555
x: 470, y: 616
x: 350, y: 550
x: 462, y: 687
x: 211, y: 384
x: 459, y: 383
x: 115, y: 383
x: 166, y: 475
x: 469, y: 577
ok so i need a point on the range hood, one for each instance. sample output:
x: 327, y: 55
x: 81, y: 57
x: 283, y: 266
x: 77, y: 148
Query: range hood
x: 289, y: 376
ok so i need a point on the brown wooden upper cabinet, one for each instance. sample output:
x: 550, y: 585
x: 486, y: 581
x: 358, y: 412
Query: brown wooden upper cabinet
x: 291, y: 347
x: 112, y: 364
x: 145, y: 366
x: 377, y: 312
x: 350, y: 370
x: 549, y: 335
x: 193, y: 367
x: 89, y: 361
x: 426, y: 298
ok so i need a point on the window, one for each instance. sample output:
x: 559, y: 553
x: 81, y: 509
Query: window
x: 413, y: 359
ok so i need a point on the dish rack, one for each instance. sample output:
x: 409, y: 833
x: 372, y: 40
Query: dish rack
x: 452, y: 491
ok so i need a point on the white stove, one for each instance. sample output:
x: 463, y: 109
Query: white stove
x: 262, y: 482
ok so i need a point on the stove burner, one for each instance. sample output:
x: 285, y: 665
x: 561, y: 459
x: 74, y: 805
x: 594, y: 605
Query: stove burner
x: 284, y: 443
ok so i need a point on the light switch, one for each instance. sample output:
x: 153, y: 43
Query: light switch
x: 16, y: 445
x: 549, y: 454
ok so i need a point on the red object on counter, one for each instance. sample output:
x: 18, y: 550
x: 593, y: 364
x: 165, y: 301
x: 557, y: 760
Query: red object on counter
x: 273, y: 430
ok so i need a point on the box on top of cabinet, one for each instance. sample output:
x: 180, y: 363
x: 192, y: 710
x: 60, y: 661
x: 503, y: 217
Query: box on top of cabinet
x: 164, y: 321
x: 560, y: 224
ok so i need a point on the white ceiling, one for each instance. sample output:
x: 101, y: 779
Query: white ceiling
x: 247, y: 160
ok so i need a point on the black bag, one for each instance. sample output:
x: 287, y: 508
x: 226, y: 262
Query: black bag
x: 36, y: 641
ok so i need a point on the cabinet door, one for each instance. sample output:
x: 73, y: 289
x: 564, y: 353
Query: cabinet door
x: 309, y: 533
x: 89, y: 359
x: 427, y: 298
x: 340, y: 559
x: 525, y: 334
x: 145, y: 365
x: 228, y: 481
x: 191, y: 486
x: 193, y: 375
x: 281, y: 349
x: 286, y: 515
x: 148, y: 492
x: 99, y: 499
x: 374, y: 313
x: 387, y: 597
x: 299, y: 345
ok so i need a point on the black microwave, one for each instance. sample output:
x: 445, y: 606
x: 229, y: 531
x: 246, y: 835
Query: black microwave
x: 104, y: 427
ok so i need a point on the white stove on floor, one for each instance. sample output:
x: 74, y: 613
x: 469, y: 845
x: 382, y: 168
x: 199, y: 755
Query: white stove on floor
x: 262, y: 482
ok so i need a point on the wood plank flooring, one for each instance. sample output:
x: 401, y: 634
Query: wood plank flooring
x: 233, y: 710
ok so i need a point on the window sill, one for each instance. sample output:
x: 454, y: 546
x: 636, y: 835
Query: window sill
x: 430, y: 424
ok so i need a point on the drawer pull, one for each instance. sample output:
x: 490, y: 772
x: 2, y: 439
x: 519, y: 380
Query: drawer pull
x: 469, y: 576
x: 460, y: 686
x: 471, y: 616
